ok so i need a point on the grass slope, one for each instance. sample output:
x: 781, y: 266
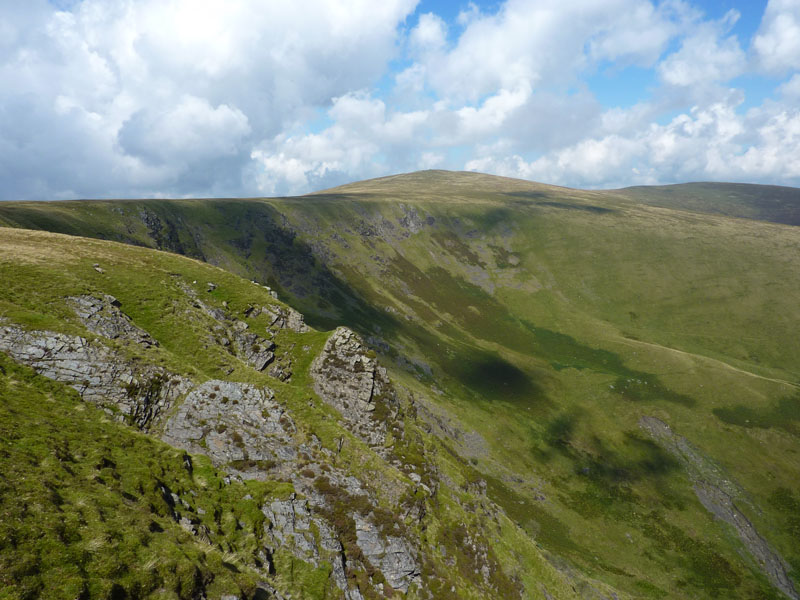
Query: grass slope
x: 747, y: 201
x: 85, y: 502
x: 549, y: 321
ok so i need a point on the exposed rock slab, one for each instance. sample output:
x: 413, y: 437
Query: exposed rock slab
x: 140, y: 392
x: 391, y: 554
x: 281, y: 318
x: 253, y: 349
x: 104, y: 317
x: 230, y: 422
x: 294, y: 526
x: 353, y: 383
x: 249, y: 347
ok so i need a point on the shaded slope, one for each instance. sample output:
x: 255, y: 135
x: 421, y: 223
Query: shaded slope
x: 747, y: 201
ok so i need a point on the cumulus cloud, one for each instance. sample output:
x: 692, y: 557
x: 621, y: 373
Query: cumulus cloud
x: 229, y: 97
x: 364, y: 135
x: 714, y: 142
x: 538, y: 44
x: 705, y: 57
x: 777, y: 43
x: 139, y: 97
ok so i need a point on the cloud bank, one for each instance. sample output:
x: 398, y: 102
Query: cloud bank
x: 127, y: 98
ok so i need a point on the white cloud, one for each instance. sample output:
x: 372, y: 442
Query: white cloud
x: 497, y: 119
x: 537, y: 44
x: 211, y: 97
x: 362, y: 135
x: 430, y: 35
x: 777, y: 43
x: 187, y: 131
x: 791, y: 89
x: 705, y: 57
x: 172, y: 94
x: 715, y: 142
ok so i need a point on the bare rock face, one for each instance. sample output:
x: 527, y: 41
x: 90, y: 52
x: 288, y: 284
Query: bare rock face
x: 251, y: 348
x: 293, y: 524
x: 104, y: 317
x: 353, y: 383
x: 232, y: 422
x: 391, y: 554
x: 254, y: 350
x: 139, y: 392
x: 282, y: 318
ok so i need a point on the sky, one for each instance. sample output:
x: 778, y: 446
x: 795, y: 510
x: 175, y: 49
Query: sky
x: 209, y: 98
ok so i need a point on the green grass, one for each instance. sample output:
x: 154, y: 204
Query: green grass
x: 549, y: 321
x: 763, y: 202
x: 83, y: 512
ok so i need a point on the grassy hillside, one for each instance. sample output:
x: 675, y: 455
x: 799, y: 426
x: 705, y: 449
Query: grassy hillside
x: 88, y: 505
x: 544, y: 326
x: 761, y: 202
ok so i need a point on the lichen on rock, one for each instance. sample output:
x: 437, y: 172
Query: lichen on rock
x: 348, y: 379
x: 234, y: 424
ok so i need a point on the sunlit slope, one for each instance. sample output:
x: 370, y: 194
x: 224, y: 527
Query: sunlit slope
x: 549, y: 322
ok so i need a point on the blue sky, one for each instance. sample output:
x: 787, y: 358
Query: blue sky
x: 191, y: 98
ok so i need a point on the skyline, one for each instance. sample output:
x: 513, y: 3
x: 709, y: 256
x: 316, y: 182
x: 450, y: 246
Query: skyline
x: 123, y: 98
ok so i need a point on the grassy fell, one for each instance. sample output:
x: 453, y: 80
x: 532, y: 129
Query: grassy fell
x: 547, y: 320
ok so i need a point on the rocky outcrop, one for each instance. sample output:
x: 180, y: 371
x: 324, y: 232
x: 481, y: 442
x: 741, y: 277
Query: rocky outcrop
x: 392, y: 555
x: 355, y: 384
x: 233, y: 334
x: 717, y: 493
x: 281, y: 318
x: 245, y: 430
x: 139, y: 394
x: 253, y: 349
x: 104, y: 317
x: 293, y: 525
x: 235, y: 424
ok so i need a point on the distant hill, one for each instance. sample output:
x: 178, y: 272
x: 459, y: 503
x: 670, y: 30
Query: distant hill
x: 747, y: 201
x: 604, y: 385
